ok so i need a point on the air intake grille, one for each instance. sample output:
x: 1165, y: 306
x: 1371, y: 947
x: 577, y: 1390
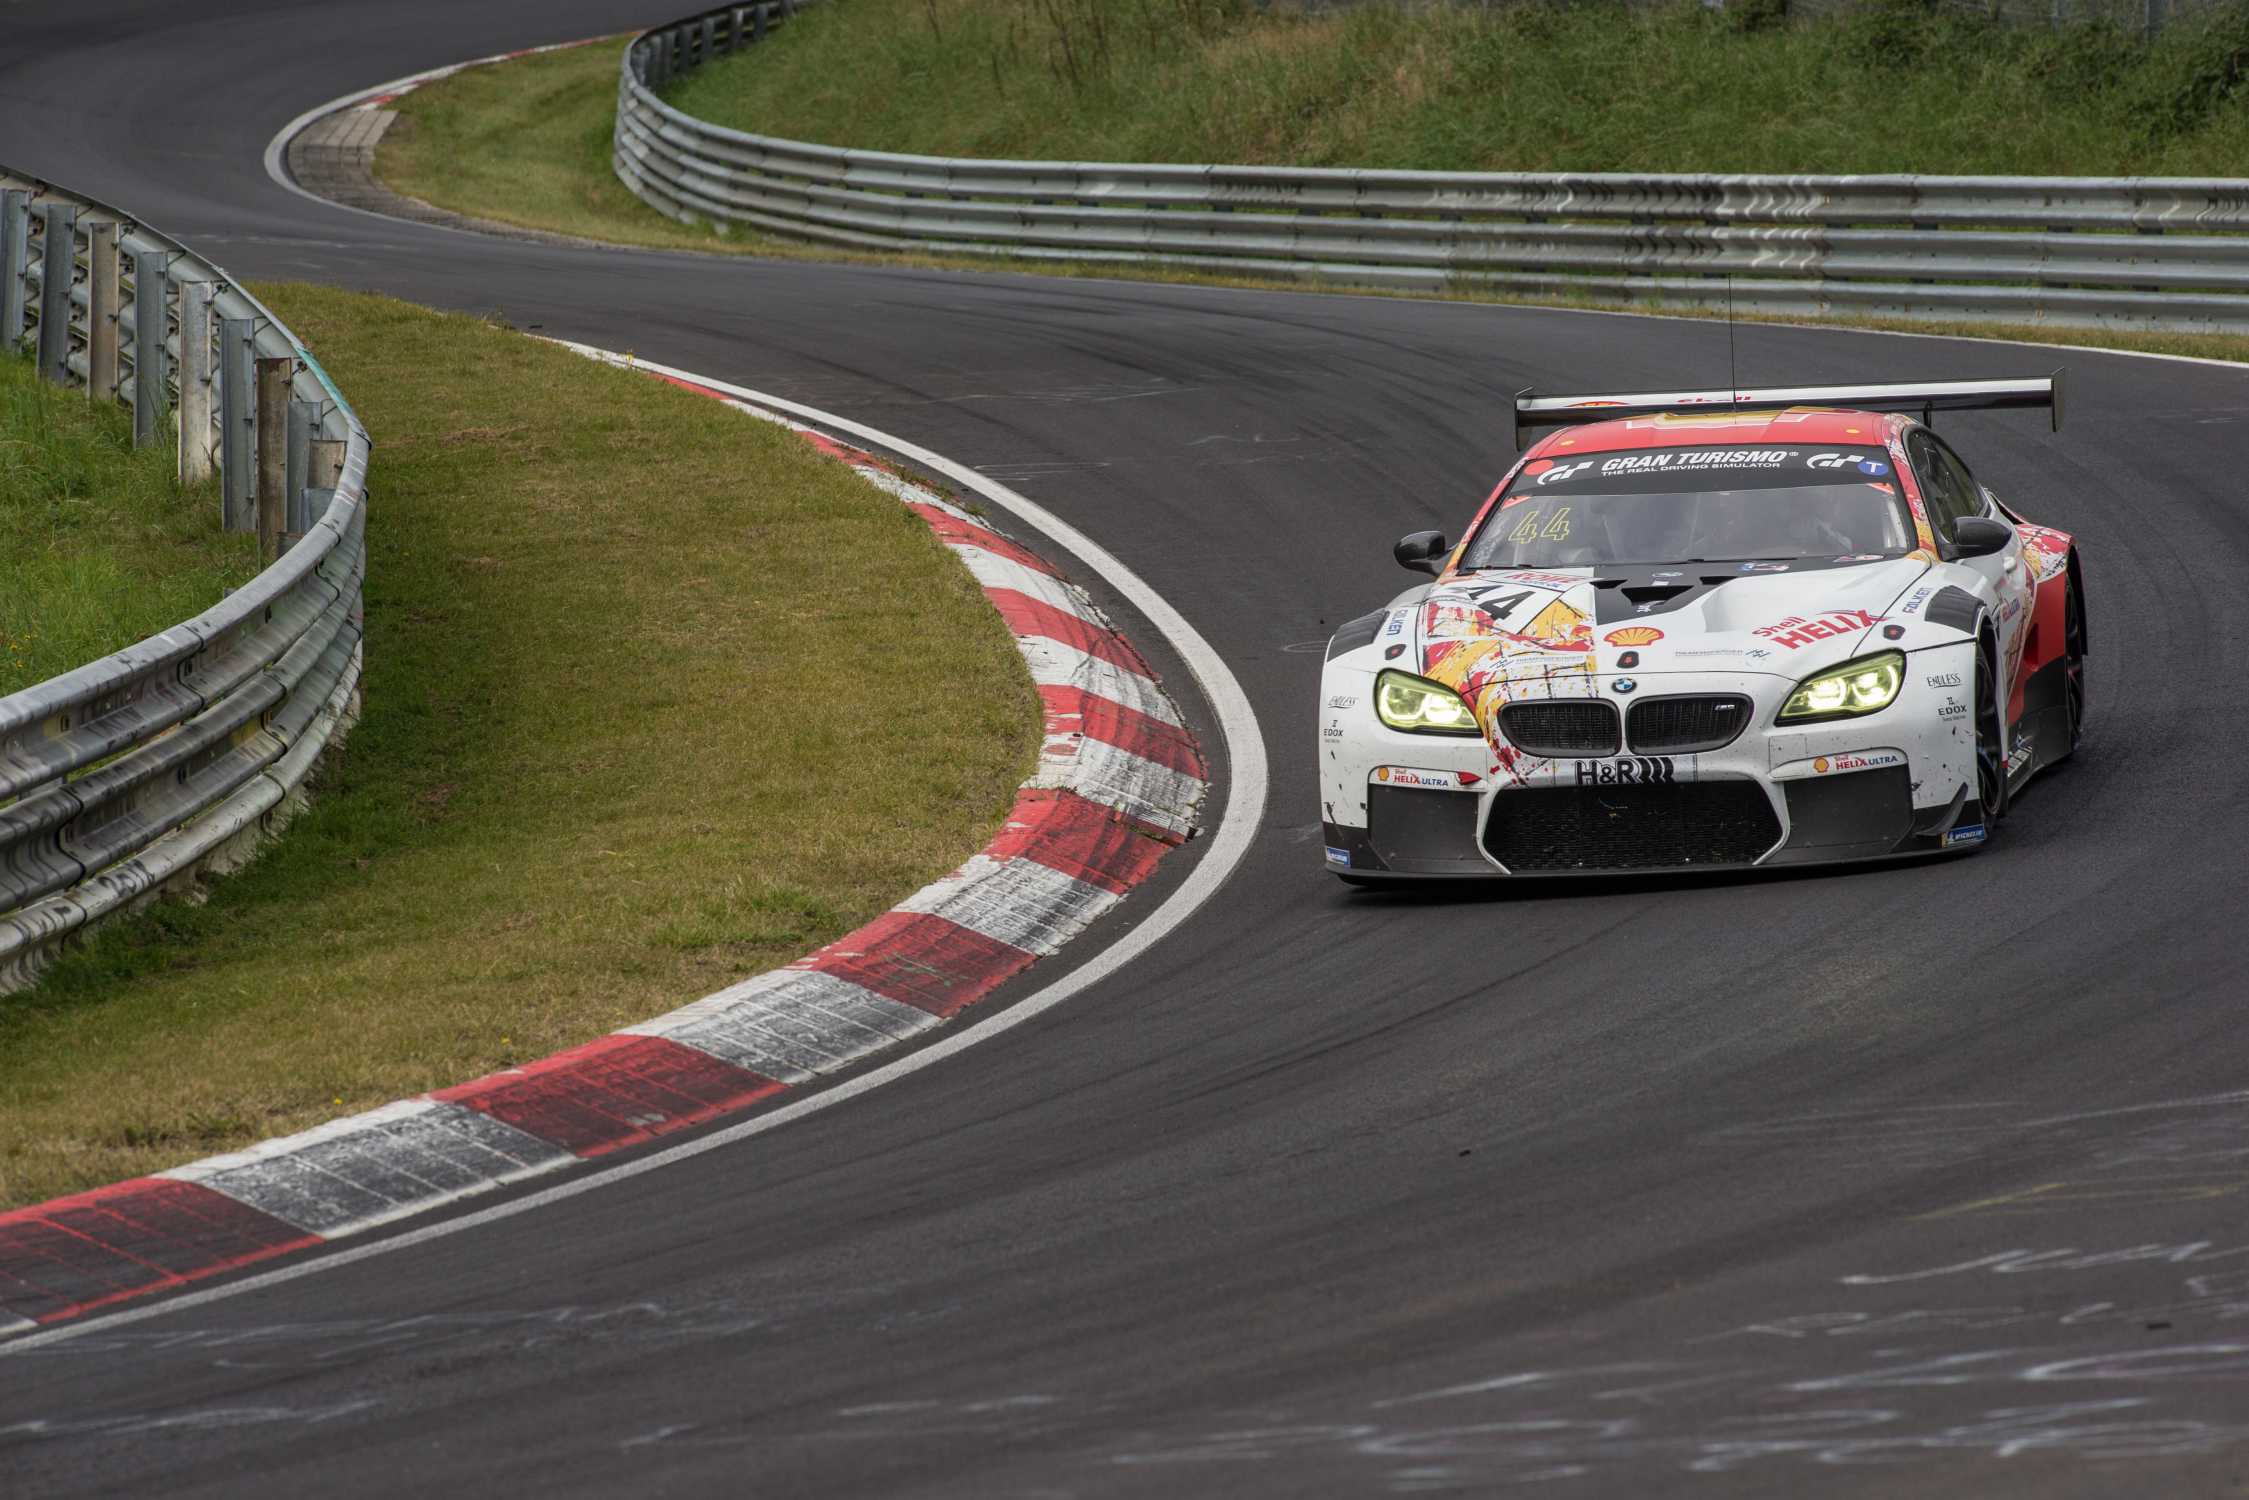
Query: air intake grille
x: 1561, y: 727
x: 1674, y: 825
x: 1686, y: 725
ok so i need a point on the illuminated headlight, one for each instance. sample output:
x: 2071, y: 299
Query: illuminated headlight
x: 1859, y: 687
x: 1419, y: 706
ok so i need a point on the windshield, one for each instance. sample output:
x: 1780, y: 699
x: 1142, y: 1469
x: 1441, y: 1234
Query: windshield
x: 1665, y: 505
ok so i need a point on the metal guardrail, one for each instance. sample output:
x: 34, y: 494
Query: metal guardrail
x: 123, y: 776
x: 2170, y: 253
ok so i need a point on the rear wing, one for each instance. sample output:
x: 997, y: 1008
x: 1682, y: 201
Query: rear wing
x: 1534, y: 411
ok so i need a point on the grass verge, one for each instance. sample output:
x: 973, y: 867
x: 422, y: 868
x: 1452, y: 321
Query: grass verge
x: 656, y: 698
x: 1885, y: 86
x: 100, y: 546
x: 527, y: 143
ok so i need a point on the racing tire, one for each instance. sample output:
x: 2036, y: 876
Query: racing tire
x: 1991, y: 733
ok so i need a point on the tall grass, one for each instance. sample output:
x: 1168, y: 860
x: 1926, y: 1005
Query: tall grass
x: 1905, y: 85
x: 99, y: 546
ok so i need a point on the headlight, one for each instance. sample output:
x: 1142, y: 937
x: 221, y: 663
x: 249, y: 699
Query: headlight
x: 1857, y: 687
x: 1420, y: 706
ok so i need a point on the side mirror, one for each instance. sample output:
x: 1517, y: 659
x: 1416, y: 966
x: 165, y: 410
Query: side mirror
x: 1978, y: 536
x: 1422, y: 552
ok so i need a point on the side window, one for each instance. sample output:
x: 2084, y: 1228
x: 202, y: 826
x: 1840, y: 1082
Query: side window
x: 1971, y: 493
x: 1945, y: 488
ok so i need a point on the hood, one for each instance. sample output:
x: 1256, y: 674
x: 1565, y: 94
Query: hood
x: 1538, y: 633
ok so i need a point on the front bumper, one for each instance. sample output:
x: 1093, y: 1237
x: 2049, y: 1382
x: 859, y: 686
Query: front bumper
x: 1899, y: 782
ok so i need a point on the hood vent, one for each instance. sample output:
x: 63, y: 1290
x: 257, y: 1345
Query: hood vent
x: 1654, y: 593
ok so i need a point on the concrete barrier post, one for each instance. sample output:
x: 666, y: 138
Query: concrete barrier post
x: 102, y: 308
x: 15, y: 260
x: 151, y: 311
x: 238, y: 426
x: 59, y: 264
x: 196, y: 378
x: 272, y: 443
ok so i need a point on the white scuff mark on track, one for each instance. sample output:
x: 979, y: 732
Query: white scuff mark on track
x: 1247, y: 786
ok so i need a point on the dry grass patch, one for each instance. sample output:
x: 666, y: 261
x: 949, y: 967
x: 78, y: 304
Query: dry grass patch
x: 657, y: 697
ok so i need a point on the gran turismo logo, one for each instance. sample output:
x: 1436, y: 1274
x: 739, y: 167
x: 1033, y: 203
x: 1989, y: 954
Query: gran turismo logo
x: 1846, y: 461
x: 1564, y: 471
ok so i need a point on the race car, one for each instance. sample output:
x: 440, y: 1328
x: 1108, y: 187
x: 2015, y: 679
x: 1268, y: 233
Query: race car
x: 1709, y: 630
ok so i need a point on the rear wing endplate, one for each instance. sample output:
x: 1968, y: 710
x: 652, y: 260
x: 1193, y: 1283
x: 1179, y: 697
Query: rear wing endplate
x: 1533, y: 411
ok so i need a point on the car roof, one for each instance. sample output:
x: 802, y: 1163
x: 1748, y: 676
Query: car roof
x: 1724, y: 429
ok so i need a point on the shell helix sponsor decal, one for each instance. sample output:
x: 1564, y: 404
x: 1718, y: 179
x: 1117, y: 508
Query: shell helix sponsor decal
x: 1802, y: 630
x: 1435, y: 781
x: 1841, y: 763
x: 1634, y: 635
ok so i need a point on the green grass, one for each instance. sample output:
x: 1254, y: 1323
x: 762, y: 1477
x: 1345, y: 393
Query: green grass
x: 656, y: 697
x: 1887, y: 87
x: 527, y: 142
x: 99, y: 544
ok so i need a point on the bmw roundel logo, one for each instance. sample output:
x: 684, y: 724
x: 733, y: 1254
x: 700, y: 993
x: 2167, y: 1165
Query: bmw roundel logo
x: 1624, y: 685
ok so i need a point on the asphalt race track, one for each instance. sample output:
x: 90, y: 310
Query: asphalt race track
x: 1916, y: 1180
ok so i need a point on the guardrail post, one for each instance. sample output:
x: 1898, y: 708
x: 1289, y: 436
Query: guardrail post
x: 324, y: 473
x: 195, y: 382
x: 151, y: 310
x: 101, y: 311
x: 272, y: 437
x: 325, y: 464
x: 60, y: 269
x: 304, y: 416
x: 15, y: 259
x: 238, y: 426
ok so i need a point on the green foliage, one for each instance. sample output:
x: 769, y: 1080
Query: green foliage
x: 99, y: 545
x: 617, y: 750
x: 1889, y: 86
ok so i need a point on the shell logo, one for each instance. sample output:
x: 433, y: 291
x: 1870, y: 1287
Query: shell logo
x: 1820, y: 765
x: 1634, y: 635
x: 1382, y: 773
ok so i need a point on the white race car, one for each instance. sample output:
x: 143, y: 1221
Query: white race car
x: 1709, y: 630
